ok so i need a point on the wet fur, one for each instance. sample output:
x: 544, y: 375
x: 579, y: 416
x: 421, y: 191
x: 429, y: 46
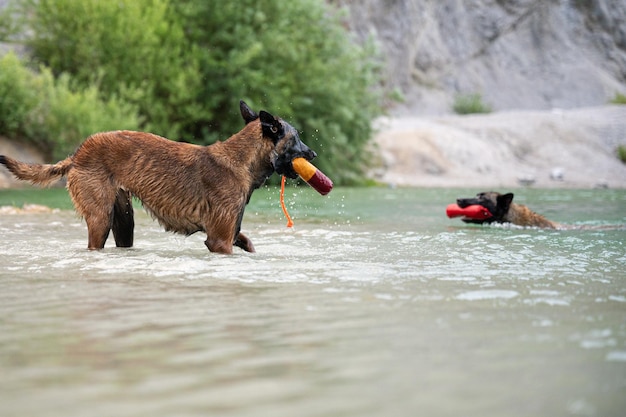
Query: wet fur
x: 505, y: 211
x: 187, y: 188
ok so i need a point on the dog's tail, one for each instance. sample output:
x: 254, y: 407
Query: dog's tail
x: 39, y: 174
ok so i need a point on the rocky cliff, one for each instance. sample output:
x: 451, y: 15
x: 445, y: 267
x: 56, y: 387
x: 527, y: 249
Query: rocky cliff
x: 518, y: 54
x: 547, y: 68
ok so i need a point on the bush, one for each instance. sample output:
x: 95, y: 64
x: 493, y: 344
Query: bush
x: 17, y: 97
x: 621, y: 153
x: 63, y: 118
x: 131, y: 49
x: 293, y: 59
x: 48, y: 112
x: 186, y: 64
x: 470, y: 103
x: 619, y: 99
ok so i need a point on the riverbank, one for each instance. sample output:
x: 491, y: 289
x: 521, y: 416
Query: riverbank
x: 547, y: 149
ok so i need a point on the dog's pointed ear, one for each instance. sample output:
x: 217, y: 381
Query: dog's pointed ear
x: 246, y: 112
x: 272, y: 128
x: 504, y: 201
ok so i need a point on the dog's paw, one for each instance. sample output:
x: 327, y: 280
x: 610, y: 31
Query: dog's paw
x: 244, y: 243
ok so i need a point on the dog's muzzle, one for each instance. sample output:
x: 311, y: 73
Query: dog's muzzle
x: 282, y: 162
x: 465, y: 202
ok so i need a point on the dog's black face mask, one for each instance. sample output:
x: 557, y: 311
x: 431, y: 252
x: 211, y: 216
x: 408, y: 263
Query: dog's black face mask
x: 497, y: 204
x: 287, y: 143
x: 288, y: 147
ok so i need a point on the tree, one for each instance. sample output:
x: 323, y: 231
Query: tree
x: 186, y: 64
x: 292, y: 58
x: 132, y: 49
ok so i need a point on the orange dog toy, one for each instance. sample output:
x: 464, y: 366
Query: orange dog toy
x: 313, y: 176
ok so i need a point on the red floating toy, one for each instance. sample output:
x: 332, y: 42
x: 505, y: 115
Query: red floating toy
x: 475, y: 211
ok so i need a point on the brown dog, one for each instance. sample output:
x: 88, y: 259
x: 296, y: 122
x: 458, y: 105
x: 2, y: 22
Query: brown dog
x: 187, y: 188
x: 503, y: 209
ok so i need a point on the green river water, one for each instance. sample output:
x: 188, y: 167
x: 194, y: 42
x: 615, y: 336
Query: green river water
x: 373, y: 304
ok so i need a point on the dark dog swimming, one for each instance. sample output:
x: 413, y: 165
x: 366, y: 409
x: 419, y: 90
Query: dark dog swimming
x: 187, y: 188
x: 504, y: 210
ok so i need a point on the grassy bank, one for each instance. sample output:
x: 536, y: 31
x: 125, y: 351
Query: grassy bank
x: 50, y: 197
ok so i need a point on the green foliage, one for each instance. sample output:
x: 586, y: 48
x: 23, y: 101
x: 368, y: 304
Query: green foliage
x: 131, y: 49
x: 619, y: 99
x: 65, y: 118
x: 621, y: 153
x: 295, y: 60
x: 17, y: 97
x: 470, y: 104
x: 56, y: 197
x: 45, y: 110
x: 186, y: 65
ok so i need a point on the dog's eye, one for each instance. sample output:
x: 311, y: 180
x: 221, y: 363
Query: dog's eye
x: 274, y: 129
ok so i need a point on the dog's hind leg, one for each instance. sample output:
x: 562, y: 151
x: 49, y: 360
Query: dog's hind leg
x: 98, y: 228
x: 123, y: 220
x: 94, y: 199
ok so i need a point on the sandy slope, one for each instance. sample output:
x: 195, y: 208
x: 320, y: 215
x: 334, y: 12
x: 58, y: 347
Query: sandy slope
x: 576, y: 147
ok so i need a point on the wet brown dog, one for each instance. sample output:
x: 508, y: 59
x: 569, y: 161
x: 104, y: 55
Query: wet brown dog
x: 187, y: 188
x: 504, y: 210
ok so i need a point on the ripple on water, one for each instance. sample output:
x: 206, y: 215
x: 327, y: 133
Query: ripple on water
x: 480, y: 295
x: 548, y: 297
x: 616, y: 356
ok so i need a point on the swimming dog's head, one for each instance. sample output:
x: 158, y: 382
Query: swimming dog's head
x: 287, y: 143
x: 497, y: 204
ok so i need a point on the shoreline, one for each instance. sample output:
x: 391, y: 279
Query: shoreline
x: 537, y: 149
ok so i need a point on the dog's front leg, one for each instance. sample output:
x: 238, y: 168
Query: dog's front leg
x: 226, y: 247
x: 242, y: 240
x: 220, y: 235
x: 244, y: 243
x: 219, y: 246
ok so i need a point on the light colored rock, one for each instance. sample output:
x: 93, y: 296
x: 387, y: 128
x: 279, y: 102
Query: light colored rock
x: 502, y: 149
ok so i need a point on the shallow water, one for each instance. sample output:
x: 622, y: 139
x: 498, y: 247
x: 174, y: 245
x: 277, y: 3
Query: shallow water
x: 374, y: 304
